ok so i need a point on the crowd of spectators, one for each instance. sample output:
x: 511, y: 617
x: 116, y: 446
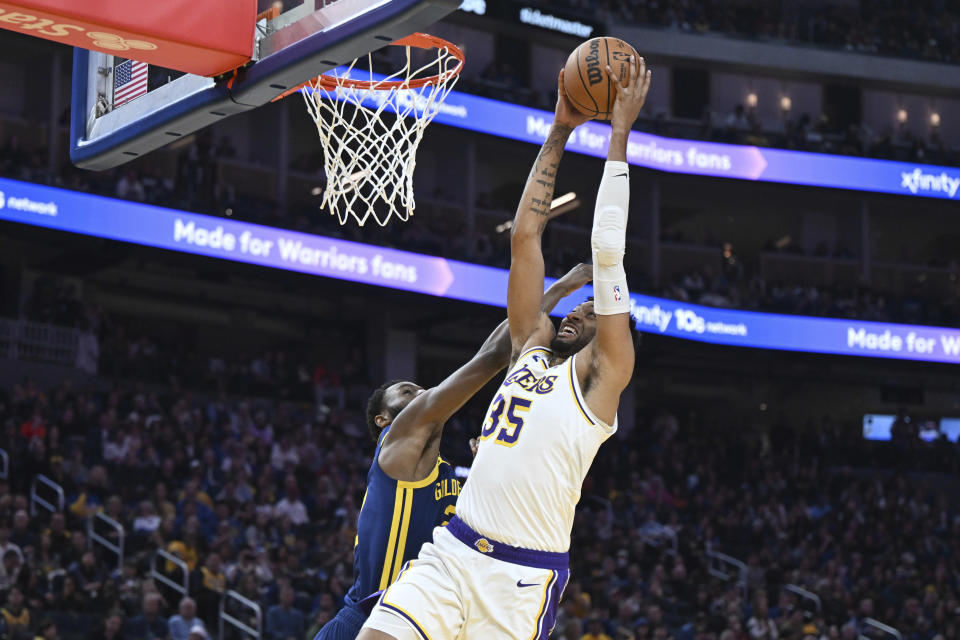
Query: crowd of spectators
x: 261, y: 497
x: 248, y: 494
x: 926, y: 29
x: 818, y: 134
x: 929, y: 29
x: 790, y: 506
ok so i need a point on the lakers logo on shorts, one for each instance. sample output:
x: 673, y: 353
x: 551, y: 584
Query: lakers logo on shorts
x: 483, y: 546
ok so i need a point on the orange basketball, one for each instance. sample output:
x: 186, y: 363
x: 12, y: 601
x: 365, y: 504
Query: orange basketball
x: 585, y: 78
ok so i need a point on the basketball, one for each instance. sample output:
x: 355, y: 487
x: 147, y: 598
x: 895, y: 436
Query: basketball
x: 585, y: 78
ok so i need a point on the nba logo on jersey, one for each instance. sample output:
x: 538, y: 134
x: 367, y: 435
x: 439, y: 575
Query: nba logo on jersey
x: 616, y: 292
x: 483, y: 546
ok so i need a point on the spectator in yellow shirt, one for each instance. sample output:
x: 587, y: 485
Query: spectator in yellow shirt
x: 16, y: 617
x: 595, y: 631
x: 213, y: 583
x: 186, y: 553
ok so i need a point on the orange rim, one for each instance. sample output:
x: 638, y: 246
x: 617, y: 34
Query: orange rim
x: 270, y: 14
x: 418, y: 40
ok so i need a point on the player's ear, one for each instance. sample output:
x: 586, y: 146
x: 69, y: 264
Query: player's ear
x: 381, y: 420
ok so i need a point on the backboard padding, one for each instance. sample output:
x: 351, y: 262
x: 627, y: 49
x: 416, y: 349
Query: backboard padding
x: 295, y: 53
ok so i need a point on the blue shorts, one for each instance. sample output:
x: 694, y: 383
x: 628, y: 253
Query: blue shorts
x: 344, y: 626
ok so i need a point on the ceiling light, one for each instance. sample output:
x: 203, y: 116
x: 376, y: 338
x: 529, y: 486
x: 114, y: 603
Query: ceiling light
x: 559, y: 201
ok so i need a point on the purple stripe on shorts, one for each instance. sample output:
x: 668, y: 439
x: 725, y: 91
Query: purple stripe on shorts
x: 553, y: 604
x: 502, y: 551
x: 405, y: 616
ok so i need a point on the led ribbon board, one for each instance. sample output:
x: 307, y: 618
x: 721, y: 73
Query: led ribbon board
x: 318, y: 255
x: 496, y: 118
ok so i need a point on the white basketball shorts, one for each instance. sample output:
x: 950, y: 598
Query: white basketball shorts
x: 465, y: 586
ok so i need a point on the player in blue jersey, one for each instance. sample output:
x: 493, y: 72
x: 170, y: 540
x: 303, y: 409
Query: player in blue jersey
x: 410, y: 488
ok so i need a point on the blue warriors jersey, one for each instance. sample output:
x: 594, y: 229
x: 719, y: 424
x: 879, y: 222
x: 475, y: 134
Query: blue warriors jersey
x: 395, y: 520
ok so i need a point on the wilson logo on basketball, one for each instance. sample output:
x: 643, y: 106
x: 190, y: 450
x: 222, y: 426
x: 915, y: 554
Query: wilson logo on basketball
x: 594, y: 72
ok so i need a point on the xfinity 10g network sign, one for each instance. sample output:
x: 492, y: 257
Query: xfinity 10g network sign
x: 318, y: 255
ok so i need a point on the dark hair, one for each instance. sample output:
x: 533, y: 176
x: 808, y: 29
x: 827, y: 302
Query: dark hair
x: 375, y: 406
x: 45, y: 624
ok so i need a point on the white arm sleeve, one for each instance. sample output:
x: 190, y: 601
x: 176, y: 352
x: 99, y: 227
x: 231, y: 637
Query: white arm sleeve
x: 609, y: 240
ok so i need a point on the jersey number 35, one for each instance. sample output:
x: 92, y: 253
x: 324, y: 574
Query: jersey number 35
x: 507, y: 427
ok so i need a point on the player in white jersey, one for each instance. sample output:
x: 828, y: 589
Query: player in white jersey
x: 498, y: 569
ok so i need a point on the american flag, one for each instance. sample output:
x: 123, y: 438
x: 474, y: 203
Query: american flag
x: 129, y: 81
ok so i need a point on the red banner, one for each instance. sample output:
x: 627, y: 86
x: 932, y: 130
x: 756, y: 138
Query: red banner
x: 203, y: 37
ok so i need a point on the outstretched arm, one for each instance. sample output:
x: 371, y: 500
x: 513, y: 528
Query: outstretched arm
x: 545, y: 331
x: 609, y: 358
x: 525, y: 290
x: 572, y: 280
x: 406, y: 453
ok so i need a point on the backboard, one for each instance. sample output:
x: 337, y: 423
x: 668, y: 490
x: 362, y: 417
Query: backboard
x: 122, y: 109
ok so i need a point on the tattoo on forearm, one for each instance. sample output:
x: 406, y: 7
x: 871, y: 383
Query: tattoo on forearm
x: 543, y: 176
x: 540, y: 207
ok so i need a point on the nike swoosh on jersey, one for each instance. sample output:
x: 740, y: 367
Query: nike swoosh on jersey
x: 532, y: 584
x: 620, y: 175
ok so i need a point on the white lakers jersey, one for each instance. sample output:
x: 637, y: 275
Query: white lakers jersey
x: 536, y: 446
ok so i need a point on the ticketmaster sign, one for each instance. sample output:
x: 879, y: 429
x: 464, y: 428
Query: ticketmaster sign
x: 537, y: 18
x: 542, y: 17
x: 267, y: 246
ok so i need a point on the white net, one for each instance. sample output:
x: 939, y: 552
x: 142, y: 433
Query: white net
x: 370, y: 133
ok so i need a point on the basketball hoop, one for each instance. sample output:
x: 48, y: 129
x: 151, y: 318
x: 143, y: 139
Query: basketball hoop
x: 369, y: 159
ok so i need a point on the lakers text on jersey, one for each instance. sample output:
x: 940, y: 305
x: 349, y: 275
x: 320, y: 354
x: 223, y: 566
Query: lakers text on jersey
x: 536, y: 446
